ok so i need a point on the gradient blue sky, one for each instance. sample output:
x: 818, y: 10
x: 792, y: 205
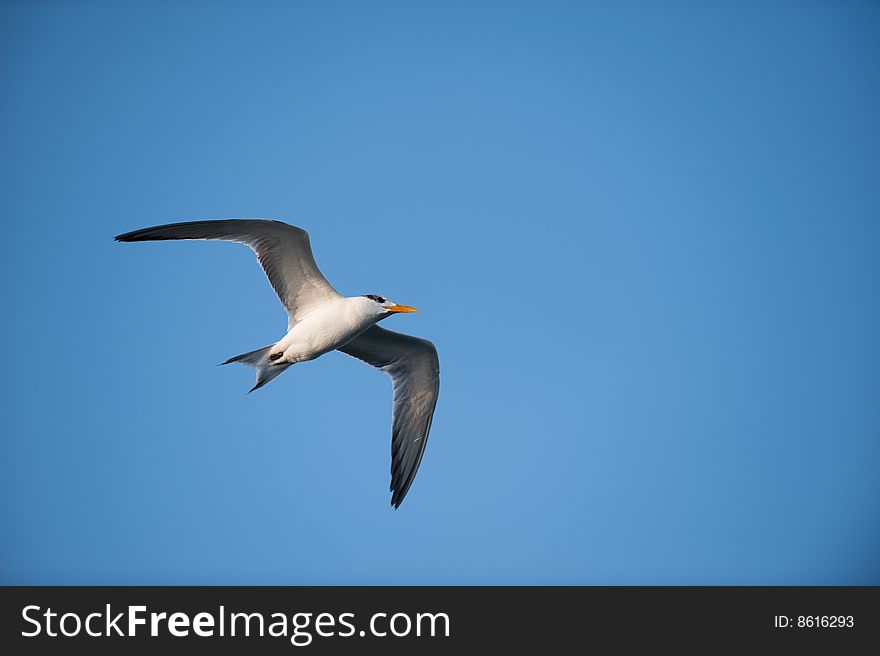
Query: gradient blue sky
x: 644, y: 237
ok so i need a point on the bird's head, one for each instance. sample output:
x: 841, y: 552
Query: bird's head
x: 384, y: 306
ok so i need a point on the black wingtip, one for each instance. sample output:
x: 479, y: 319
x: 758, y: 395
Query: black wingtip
x: 125, y: 236
x: 142, y: 234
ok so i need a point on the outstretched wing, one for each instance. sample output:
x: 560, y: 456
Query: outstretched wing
x: 283, y: 251
x: 414, y: 368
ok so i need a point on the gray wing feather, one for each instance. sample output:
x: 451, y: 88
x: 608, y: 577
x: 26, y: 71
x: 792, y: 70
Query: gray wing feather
x: 414, y: 368
x: 283, y: 251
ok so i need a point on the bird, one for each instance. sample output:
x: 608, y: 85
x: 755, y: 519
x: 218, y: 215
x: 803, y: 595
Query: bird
x: 321, y: 320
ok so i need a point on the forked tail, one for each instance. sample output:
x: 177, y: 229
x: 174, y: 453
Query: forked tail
x: 259, y: 360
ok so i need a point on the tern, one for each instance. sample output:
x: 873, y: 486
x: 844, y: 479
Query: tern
x: 321, y: 320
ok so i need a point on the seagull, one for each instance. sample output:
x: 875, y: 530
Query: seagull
x: 321, y: 320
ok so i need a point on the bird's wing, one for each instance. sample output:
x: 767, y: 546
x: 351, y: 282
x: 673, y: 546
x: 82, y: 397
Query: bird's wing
x: 414, y: 368
x: 283, y: 251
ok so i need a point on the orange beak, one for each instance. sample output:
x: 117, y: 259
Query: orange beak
x: 400, y: 308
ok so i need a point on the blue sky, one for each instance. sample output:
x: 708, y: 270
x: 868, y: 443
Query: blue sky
x: 644, y: 237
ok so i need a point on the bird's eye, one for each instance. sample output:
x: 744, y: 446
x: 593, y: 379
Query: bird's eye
x: 380, y: 299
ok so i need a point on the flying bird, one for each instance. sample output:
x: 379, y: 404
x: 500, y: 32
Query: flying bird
x: 321, y: 320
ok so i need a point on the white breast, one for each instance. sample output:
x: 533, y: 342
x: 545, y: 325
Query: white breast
x: 325, y: 328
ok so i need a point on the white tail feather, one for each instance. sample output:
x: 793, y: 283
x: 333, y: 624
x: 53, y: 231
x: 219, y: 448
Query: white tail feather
x: 259, y: 360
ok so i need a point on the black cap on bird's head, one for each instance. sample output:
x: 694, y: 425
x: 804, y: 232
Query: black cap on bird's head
x: 388, y: 304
